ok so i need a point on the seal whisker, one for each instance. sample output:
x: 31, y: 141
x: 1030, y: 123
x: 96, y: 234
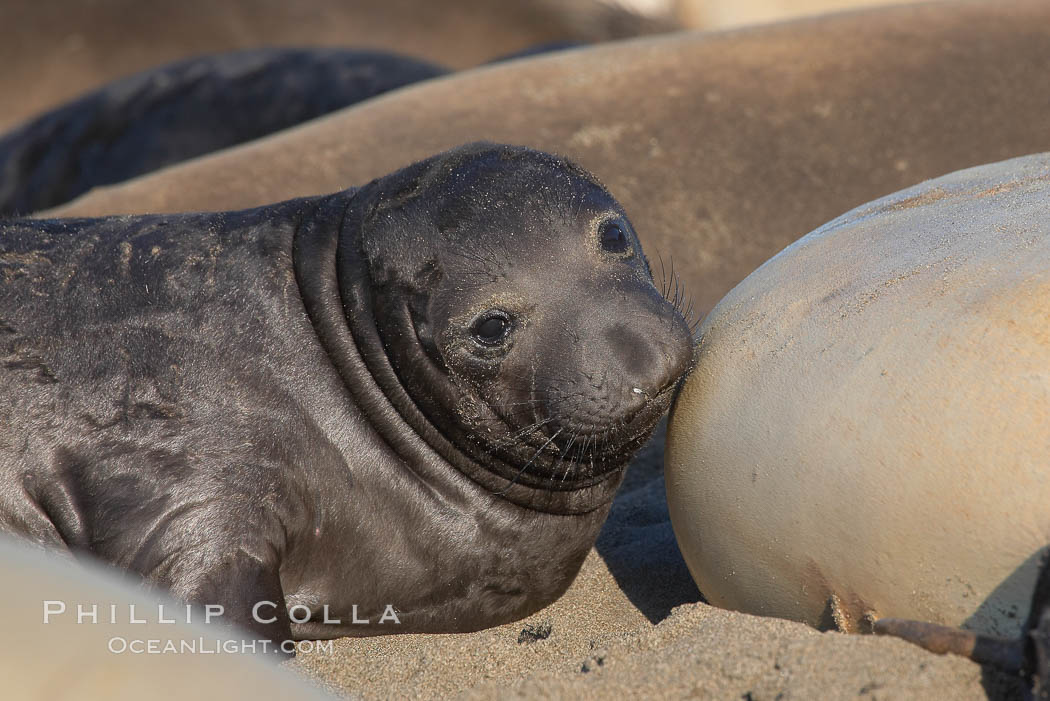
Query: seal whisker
x: 674, y: 291
x: 526, y: 465
x: 688, y: 311
x: 568, y: 463
x: 663, y: 276
x: 536, y: 400
x: 580, y: 452
x: 592, y: 454
x: 527, y: 402
x: 677, y: 288
x: 518, y: 413
x: 532, y: 427
x: 515, y: 409
x: 515, y: 437
x: 523, y: 432
x: 572, y: 439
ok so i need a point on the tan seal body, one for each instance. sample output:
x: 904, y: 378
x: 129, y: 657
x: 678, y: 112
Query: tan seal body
x: 867, y: 433
x: 54, y: 51
x: 48, y: 654
x: 723, y: 147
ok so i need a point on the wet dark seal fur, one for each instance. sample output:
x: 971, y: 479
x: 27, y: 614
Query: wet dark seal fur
x: 192, y: 107
x: 421, y: 393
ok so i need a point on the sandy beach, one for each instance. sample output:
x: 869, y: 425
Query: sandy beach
x: 633, y: 625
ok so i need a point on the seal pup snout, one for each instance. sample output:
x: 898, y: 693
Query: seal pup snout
x: 654, y: 346
x: 625, y: 363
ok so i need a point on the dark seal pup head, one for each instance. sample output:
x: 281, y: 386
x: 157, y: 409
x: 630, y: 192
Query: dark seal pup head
x: 520, y: 330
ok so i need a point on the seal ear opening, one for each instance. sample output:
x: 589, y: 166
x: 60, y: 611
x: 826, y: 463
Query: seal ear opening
x: 394, y: 235
x: 398, y: 217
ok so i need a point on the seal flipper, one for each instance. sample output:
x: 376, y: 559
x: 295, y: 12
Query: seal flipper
x: 250, y: 593
x: 223, y: 554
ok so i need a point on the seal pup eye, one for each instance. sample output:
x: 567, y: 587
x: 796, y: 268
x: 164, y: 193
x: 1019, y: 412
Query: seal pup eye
x: 614, y: 237
x: 491, y: 328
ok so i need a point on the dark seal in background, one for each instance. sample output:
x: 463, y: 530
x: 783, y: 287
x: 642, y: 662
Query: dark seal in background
x: 172, y: 113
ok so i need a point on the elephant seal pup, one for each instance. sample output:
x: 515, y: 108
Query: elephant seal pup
x: 414, y: 400
x: 175, y: 112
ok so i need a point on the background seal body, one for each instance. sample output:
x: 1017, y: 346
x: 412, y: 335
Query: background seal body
x: 61, y: 51
x: 287, y: 404
x: 735, y: 143
x: 104, y: 655
x: 178, y: 111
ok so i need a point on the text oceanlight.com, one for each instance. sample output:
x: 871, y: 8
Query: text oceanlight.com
x: 204, y: 646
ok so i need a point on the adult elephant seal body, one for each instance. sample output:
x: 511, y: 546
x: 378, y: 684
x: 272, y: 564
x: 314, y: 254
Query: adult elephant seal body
x: 175, y: 112
x: 61, y: 50
x: 866, y: 434
x: 735, y: 145
x: 420, y: 394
